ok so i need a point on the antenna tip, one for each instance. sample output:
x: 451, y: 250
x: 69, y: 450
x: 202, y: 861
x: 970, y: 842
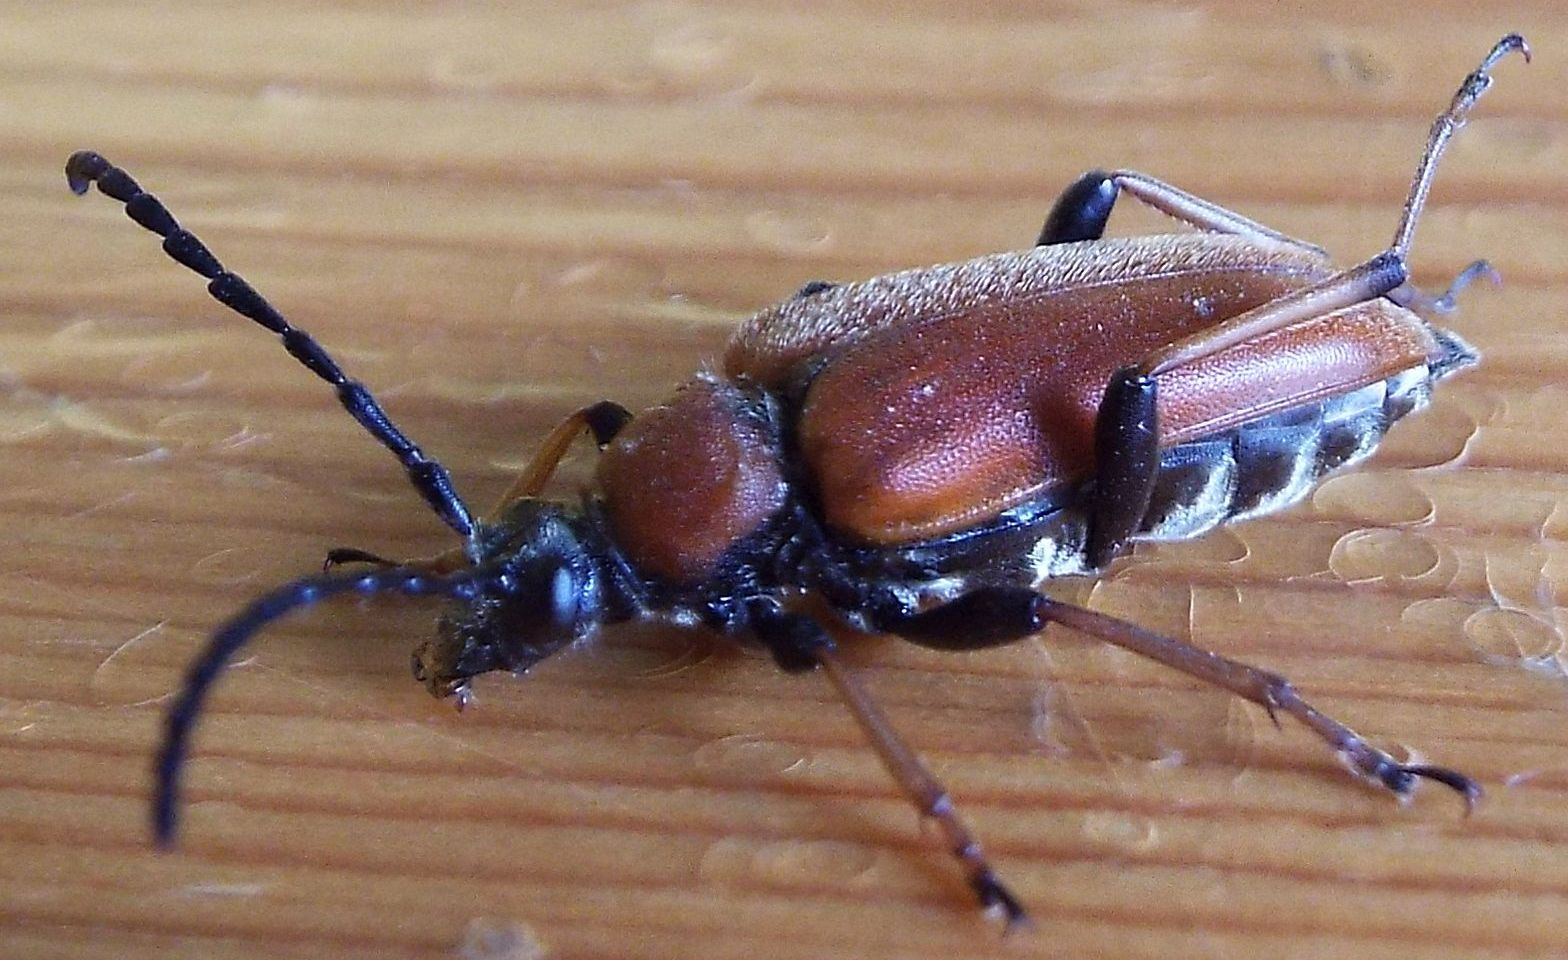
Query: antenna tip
x: 83, y: 167
x: 165, y: 820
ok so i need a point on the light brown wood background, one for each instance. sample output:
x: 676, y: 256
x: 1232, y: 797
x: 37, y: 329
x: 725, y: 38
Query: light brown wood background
x: 496, y: 212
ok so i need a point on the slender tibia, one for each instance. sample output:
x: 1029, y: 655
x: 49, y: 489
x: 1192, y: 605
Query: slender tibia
x: 923, y: 790
x: 1204, y: 214
x: 1443, y: 129
x: 993, y: 616
x: 1084, y: 208
x: 1382, y: 275
x: 1367, y: 281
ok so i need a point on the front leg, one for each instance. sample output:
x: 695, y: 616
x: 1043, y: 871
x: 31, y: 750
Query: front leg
x: 603, y: 419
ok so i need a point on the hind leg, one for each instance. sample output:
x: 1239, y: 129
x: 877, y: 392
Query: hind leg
x: 992, y: 616
x: 1083, y: 209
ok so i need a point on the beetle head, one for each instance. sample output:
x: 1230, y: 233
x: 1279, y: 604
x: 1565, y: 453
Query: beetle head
x: 545, y: 595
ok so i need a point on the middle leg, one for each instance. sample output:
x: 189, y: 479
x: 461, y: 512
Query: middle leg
x: 603, y: 419
x: 799, y: 643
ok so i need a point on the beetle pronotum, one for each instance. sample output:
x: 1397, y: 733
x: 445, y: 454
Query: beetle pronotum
x: 920, y: 450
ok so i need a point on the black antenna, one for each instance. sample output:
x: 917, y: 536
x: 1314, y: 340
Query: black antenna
x: 427, y: 475
x: 233, y: 635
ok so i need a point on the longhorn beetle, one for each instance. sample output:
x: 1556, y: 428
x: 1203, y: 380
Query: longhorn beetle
x: 920, y: 450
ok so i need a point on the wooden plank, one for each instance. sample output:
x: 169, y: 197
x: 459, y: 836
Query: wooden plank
x: 494, y: 212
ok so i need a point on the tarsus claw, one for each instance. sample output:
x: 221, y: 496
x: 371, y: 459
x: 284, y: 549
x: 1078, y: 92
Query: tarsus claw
x: 1452, y: 779
x: 1401, y: 779
x: 994, y: 895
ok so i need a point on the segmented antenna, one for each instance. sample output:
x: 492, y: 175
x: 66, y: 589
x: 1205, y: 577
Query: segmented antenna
x: 233, y: 635
x: 427, y: 475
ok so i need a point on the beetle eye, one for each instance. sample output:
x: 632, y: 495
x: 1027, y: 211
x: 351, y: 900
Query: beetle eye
x: 548, y: 596
x: 563, y: 596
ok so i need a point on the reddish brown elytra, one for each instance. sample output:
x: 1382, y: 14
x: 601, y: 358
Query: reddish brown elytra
x: 920, y: 450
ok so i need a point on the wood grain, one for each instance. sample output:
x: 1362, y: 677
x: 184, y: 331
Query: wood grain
x: 495, y: 212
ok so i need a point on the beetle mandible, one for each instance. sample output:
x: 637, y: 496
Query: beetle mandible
x: 919, y: 450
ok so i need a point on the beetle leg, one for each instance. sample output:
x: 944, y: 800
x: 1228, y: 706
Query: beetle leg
x: 447, y: 561
x: 924, y: 790
x: 1360, y: 284
x: 813, y: 287
x: 338, y: 556
x: 1384, y: 274
x: 1443, y: 128
x: 1269, y: 690
x: 603, y: 419
x: 798, y: 643
x: 991, y: 616
x: 982, y: 618
x: 1413, y: 298
x: 1083, y: 209
x: 1127, y: 461
x: 428, y: 476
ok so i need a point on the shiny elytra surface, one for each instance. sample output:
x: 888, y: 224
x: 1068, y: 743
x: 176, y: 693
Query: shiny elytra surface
x: 497, y: 213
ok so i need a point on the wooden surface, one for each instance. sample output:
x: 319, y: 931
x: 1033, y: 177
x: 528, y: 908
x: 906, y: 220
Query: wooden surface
x: 495, y: 213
